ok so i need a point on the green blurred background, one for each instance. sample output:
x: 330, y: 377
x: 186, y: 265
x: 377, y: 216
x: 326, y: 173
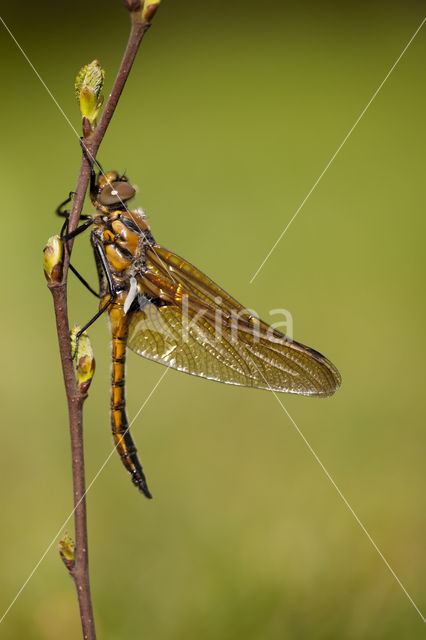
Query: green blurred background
x: 230, y: 115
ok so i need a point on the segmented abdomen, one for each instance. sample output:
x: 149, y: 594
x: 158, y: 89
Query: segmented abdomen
x: 119, y: 424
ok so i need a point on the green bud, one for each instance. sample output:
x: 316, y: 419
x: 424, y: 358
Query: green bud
x: 84, y: 359
x: 67, y: 551
x: 149, y: 8
x: 88, y: 87
x: 53, y: 255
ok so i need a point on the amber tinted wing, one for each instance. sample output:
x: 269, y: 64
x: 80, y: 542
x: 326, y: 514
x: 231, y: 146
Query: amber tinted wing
x: 196, y: 327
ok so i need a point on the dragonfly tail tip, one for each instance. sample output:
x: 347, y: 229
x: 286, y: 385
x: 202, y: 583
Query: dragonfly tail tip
x: 143, y: 488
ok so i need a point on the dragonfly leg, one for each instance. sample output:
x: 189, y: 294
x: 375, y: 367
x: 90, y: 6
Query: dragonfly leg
x: 64, y: 213
x: 105, y: 266
x: 119, y: 423
x: 89, y: 324
x: 60, y: 211
x: 64, y: 228
x: 112, y: 296
x: 66, y: 236
x: 83, y: 281
x: 76, y: 232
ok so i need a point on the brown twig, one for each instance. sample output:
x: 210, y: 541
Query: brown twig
x: 79, y: 570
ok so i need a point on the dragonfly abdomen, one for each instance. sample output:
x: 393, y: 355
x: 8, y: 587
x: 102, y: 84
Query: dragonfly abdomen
x: 119, y: 423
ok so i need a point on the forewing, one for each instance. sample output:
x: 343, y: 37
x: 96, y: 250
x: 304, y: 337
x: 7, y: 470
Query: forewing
x: 196, y: 327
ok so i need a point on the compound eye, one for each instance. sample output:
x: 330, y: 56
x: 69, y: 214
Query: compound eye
x: 116, y: 193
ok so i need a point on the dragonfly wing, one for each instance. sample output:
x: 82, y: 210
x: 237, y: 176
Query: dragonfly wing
x: 196, y: 327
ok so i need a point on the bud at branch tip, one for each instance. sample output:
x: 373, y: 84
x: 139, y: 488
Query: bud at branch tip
x: 149, y: 8
x: 88, y: 87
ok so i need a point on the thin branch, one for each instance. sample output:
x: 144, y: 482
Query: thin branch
x: 79, y: 570
x: 92, y: 144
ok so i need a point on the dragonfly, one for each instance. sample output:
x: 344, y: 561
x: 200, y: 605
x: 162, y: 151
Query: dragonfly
x: 163, y: 308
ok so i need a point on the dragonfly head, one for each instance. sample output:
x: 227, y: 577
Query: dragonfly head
x: 113, y: 191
